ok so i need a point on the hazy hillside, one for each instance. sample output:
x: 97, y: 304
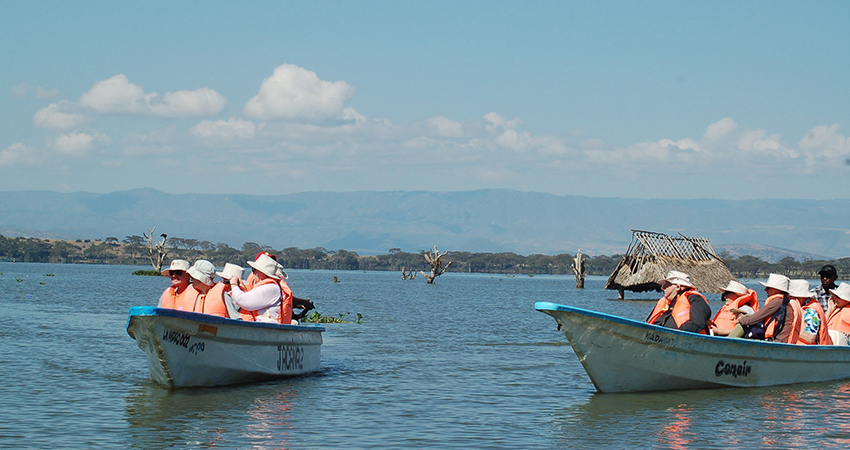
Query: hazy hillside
x: 476, y: 221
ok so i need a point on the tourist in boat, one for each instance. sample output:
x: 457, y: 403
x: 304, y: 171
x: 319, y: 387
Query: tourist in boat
x: 777, y: 320
x: 681, y: 307
x: 739, y: 301
x: 181, y: 284
x: 210, y: 295
x: 229, y: 271
x: 813, y: 330
x: 263, y: 301
x: 828, y: 275
x: 304, y: 305
x: 838, y: 315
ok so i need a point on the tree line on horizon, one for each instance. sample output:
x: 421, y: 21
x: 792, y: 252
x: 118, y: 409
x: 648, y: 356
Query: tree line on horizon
x: 132, y: 250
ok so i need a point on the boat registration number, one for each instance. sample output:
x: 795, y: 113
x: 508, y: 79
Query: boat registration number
x: 290, y: 358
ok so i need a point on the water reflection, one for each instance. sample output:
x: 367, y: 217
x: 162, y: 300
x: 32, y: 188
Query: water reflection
x: 781, y: 417
x: 256, y: 416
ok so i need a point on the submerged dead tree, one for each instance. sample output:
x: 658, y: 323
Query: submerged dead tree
x: 580, y: 269
x: 159, y: 249
x: 407, y: 275
x: 435, y: 260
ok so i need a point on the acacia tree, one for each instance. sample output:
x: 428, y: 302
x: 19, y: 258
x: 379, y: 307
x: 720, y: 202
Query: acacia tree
x: 435, y: 260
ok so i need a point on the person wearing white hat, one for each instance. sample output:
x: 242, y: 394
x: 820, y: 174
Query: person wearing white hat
x: 210, y: 295
x: 777, y: 320
x: 838, y: 315
x: 813, y: 325
x: 739, y: 301
x: 181, y: 284
x: 263, y: 302
x: 681, y: 307
x: 229, y: 271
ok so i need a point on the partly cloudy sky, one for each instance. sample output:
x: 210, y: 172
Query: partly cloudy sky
x: 734, y: 100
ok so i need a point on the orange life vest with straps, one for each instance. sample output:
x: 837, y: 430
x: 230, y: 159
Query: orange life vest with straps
x: 725, y: 319
x: 823, y: 332
x: 775, y: 323
x: 285, y: 314
x: 213, y: 302
x: 839, y: 320
x: 185, y: 301
x: 681, y: 309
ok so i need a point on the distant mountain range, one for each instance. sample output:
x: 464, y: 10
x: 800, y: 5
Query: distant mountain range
x: 474, y: 221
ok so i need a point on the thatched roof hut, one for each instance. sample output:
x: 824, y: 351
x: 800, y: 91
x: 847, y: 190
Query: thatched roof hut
x: 651, y: 255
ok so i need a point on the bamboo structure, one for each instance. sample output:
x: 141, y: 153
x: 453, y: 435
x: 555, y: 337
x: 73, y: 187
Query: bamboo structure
x: 651, y: 255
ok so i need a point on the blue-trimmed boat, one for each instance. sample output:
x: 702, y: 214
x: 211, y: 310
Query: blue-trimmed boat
x: 625, y: 355
x: 187, y: 349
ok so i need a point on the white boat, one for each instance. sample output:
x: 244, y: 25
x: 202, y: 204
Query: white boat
x: 189, y: 349
x: 624, y: 355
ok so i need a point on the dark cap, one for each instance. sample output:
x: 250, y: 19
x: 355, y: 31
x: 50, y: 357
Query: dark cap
x: 828, y: 270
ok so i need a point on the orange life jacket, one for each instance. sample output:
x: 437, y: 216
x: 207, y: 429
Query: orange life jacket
x: 725, y: 319
x: 772, y: 325
x: 823, y: 331
x: 213, y: 302
x: 839, y: 320
x: 681, y: 309
x: 185, y: 301
x: 285, y: 314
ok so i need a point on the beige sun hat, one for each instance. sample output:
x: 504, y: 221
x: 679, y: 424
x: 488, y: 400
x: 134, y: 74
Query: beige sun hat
x: 203, y: 271
x: 799, y: 289
x: 176, y: 264
x: 266, y: 265
x: 777, y: 281
x: 735, y: 287
x: 842, y: 292
x: 231, y: 270
x: 676, y: 277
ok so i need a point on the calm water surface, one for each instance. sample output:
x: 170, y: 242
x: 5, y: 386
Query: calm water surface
x: 465, y: 363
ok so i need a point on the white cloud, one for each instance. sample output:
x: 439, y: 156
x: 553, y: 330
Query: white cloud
x: 22, y: 90
x: 229, y: 130
x: 824, y: 140
x: 58, y: 116
x: 78, y: 144
x: 443, y: 127
x: 514, y: 140
x: 495, y: 121
x: 758, y: 141
x: 43, y: 93
x: 720, y: 128
x: 294, y: 93
x: 118, y: 95
x: 17, y: 153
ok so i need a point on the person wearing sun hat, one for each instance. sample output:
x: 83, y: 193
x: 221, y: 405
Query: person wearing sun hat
x: 210, y: 295
x: 838, y: 315
x: 778, y: 319
x: 681, y: 307
x: 181, y: 285
x: 229, y: 271
x: 813, y: 329
x: 263, y: 302
x: 739, y: 301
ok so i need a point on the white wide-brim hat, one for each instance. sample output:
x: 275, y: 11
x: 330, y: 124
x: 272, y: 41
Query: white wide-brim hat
x: 842, y: 291
x: 800, y: 289
x: 266, y: 265
x: 176, y: 264
x: 230, y: 271
x: 776, y: 281
x: 676, y: 277
x: 735, y: 287
x: 203, y: 271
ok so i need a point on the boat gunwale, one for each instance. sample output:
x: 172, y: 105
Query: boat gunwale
x: 152, y: 311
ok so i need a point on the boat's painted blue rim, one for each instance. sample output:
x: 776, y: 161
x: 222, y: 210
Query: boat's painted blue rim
x: 549, y: 306
x: 206, y: 318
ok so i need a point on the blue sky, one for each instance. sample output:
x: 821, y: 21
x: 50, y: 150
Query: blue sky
x: 732, y: 100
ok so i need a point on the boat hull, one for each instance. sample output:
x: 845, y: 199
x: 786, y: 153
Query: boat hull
x: 624, y: 355
x: 186, y: 349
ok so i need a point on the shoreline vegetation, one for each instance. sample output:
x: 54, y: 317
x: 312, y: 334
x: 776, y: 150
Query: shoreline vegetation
x: 133, y: 250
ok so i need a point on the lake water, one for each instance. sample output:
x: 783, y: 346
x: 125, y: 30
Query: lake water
x: 464, y: 363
